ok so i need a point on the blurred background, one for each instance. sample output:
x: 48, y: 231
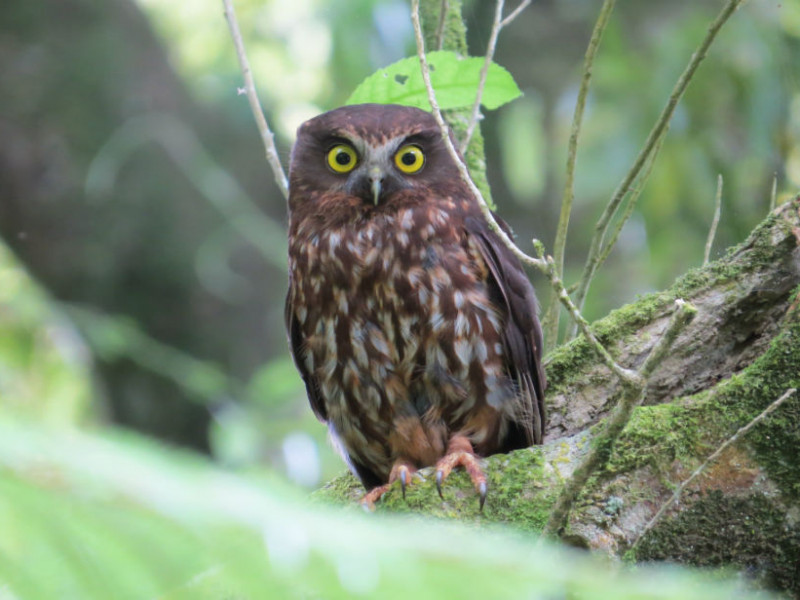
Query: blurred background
x: 142, y: 244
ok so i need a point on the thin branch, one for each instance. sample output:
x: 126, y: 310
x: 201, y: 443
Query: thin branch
x: 648, y: 149
x: 497, y: 25
x: 683, y: 314
x: 255, y: 105
x: 551, y: 319
x: 699, y: 470
x: 712, y: 232
x: 440, y: 27
x: 514, y: 13
x: 490, y: 48
x: 462, y: 168
x: 603, y: 444
x: 773, y: 196
x: 626, y: 376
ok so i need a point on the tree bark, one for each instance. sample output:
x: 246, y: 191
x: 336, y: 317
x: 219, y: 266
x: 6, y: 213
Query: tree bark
x: 739, y: 354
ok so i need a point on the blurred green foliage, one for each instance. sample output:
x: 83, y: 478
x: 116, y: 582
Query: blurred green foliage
x: 114, y: 515
x: 44, y: 364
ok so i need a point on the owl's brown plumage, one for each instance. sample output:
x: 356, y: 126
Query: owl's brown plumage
x: 413, y: 327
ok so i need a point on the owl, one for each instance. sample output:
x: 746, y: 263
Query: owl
x: 413, y: 327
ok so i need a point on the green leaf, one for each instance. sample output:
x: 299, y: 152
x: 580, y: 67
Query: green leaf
x: 85, y: 515
x: 454, y: 79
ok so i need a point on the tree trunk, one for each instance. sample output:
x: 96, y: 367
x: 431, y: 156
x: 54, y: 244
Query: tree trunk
x: 739, y: 354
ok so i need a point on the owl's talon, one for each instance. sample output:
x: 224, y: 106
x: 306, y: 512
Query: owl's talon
x: 482, y: 491
x: 403, y: 481
x: 461, y: 453
x: 372, y: 496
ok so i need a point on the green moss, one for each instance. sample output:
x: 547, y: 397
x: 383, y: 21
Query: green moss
x: 454, y: 31
x: 657, y: 436
x: 717, y: 530
x: 520, y: 493
x: 697, y: 425
x: 776, y: 439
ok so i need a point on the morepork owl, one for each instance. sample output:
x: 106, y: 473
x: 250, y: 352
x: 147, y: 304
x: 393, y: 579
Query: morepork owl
x: 413, y: 327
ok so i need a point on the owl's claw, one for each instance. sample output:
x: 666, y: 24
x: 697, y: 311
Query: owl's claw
x: 460, y: 453
x: 372, y: 496
x: 403, y: 478
x: 402, y: 471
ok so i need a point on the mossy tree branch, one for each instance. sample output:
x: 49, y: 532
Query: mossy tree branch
x: 717, y: 453
x: 603, y: 444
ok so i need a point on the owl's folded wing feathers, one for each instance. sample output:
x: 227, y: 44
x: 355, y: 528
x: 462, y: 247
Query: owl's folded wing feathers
x: 522, y: 337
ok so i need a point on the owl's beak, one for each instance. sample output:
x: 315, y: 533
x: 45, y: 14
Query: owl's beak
x: 375, y: 178
x: 376, y: 190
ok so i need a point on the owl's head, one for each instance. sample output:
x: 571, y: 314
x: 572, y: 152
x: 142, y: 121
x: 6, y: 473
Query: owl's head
x: 368, y: 156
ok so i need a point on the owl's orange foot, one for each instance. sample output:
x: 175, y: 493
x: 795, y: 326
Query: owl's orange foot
x: 402, y: 471
x: 461, y: 453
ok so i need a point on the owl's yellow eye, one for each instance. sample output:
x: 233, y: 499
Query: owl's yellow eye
x: 409, y: 159
x: 342, y: 158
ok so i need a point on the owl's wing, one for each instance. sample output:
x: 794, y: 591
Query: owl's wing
x: 296, y: 343
x: 514, y: 296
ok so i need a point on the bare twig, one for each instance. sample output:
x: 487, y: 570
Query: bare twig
x: 712, y: 232
x: 490, y: 48
x: 255, y: 105
x: 551, y: 318
x: 603, y: 444
x: 440, y: 26
x: 627, y: 377
x: 451, y: 149
x: 498, y: 24
x: 699, y: 470
x: 773, y: 196
x: 515, y: 13
x: 648, y: 149
x: 684, y: 312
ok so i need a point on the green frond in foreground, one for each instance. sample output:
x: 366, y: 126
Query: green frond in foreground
x: 115, y: 516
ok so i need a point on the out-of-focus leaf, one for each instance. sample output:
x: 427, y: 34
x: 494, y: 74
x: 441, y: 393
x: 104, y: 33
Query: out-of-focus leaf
x: 454, y: 79
x: 85, y: 516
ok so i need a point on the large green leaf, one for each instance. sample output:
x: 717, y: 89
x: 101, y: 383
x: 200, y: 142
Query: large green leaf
x: 454, y: 79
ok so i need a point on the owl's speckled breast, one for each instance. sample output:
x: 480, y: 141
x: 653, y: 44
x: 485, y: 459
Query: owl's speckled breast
x: 401, y: 334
